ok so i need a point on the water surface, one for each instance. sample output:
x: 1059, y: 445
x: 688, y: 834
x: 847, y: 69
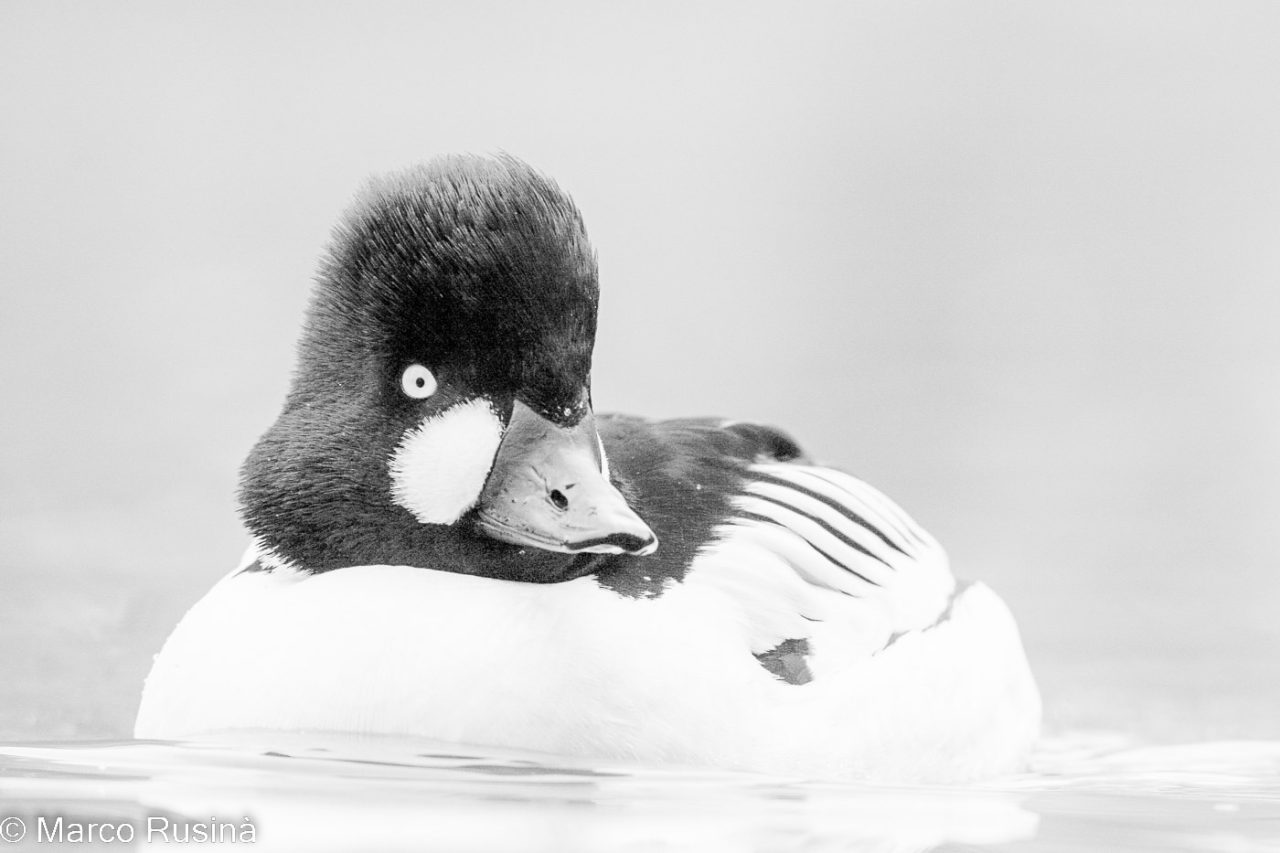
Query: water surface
x: 339, y: 793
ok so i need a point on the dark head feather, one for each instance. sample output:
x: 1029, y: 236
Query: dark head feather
x: 478, y: 267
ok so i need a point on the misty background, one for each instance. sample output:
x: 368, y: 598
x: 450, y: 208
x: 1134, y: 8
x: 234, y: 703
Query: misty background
x: 1017, y: 265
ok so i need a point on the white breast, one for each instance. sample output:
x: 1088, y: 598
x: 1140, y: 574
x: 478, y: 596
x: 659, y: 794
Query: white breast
x: 577, y: 669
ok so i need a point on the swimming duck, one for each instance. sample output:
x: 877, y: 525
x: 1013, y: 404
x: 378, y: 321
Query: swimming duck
x: 449, y: 542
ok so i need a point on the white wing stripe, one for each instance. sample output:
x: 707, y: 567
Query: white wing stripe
x: 854, y: 534
x: 867, y: 567
x: 866, y: 494
x: 800, y: 555
x: 857, y: 509
x: 867, y: 499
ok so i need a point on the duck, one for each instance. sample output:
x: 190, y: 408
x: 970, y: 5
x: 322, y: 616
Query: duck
x: 449, y: 543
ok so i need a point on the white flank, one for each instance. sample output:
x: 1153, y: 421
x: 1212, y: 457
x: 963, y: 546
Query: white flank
x: 440, y: 466
x: 576, y: 669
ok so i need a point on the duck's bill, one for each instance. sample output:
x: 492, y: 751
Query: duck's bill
x: 614, y: 543
x: 548, y: 490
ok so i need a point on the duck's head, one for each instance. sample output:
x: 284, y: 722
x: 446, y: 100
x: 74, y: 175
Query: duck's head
x: 440, y: 414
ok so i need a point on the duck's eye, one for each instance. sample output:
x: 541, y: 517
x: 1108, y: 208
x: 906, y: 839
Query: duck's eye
x: 417, y: 382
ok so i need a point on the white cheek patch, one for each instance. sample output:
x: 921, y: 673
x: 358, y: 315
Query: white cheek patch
x: 440, y: 466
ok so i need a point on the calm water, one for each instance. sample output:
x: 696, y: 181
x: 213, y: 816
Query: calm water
x: 327, y: 793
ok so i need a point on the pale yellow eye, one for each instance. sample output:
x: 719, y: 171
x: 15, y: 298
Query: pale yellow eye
x: 417, y: 382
